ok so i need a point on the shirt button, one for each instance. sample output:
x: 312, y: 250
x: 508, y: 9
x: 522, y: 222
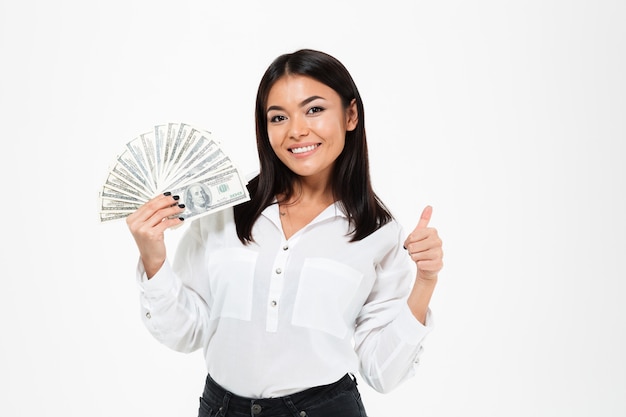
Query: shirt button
x: 256, y: 409
x: 285, y: 247
x: 274, y: 303
x: 148, y: 315
x: 279, y: 271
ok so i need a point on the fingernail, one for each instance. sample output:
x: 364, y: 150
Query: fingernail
x: 404, y: 247
x: 175, y: 197
x: 181, y: 205
x: 181, y: 219
x: 167, y: 193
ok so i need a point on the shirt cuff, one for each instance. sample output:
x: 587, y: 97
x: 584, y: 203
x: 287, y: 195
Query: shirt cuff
x: 161, y: 282
x: 409, y: 329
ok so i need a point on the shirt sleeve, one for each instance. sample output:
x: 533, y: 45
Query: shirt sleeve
x: 171, y: 305
x: 388, y: 338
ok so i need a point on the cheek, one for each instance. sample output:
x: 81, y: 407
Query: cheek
x: 335, y: 133
x: 330, y: 128
x: 273, y: 143
x: 276, y: 136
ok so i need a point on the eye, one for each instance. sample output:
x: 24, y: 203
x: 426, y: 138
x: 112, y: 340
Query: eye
x: 277, y: 119
x: 315, y: 109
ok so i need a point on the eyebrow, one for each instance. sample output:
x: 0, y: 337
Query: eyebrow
x: 302, y: 103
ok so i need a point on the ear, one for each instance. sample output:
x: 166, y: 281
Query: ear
x: 352, y: 116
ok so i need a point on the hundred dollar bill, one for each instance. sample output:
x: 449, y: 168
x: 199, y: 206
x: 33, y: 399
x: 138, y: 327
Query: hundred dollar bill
x: 149, y: 147
x: 190, y: 136
x: 203, y: 149
x: 212, y: 193
x: 112, y: 193
x: 118, y: 181
x: 170, y: 142
x: 122, y: 179
x: 111, y: 205
x: 136, y: 149
x: 194, y: 149
x: 160, y: 138
x: 105, y: 217
x: 128, y: 169
x: 205, y: 156
x: 202, y: 170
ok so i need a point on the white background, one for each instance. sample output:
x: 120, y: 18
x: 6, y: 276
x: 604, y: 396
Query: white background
x: 507, y: 117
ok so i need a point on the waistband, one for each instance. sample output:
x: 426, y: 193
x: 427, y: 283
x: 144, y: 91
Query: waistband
x: 216, y: 394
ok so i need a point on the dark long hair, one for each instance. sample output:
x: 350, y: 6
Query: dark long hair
x: 351, y: 183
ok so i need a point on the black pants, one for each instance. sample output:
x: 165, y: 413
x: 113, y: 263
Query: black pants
x: 340, y: 399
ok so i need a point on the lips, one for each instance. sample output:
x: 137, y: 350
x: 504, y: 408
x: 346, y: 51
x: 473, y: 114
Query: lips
x: 303, y: 149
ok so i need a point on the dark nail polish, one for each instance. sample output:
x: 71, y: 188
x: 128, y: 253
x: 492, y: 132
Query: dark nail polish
x: 167, y: 193
x: 181, y: 219
x: 181, y: 205
x: 175, y: 197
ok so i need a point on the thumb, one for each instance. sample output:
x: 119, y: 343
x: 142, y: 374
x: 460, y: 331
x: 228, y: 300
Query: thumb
x: 425, y: 218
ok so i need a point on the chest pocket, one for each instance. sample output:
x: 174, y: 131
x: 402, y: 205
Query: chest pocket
x: 325, y: 293
x: 231, y: 276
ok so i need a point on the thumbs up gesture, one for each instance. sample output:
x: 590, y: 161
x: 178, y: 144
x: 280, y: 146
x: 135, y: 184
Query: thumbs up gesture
x: 425, y: 247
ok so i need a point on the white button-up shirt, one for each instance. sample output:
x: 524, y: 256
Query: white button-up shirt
x: 281, y: 315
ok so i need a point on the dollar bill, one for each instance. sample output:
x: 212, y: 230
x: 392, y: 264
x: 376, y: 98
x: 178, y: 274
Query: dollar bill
x: 212, y: 193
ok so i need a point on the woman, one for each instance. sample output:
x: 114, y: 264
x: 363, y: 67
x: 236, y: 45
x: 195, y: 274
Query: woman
x: 292, y: 293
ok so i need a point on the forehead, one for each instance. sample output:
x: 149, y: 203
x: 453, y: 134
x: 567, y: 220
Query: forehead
x: 296, y: 88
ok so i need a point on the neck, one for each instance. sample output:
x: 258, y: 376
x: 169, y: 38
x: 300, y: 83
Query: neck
x: 307, y: 193
x: 303, y: 205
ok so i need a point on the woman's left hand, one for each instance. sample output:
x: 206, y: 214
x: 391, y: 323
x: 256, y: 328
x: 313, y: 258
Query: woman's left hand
x: 425, y: 247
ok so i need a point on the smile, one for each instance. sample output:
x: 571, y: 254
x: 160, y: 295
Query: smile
x: 304, y: 149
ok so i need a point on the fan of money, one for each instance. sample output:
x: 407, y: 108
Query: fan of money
x: 176, y: 157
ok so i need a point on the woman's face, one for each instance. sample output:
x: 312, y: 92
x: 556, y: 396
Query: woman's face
x: 307, y: 125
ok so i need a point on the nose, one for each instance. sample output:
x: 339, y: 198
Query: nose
x: 298, y: 127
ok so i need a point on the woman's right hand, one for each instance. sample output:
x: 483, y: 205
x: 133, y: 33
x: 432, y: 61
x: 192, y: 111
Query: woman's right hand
x: 148, y: 225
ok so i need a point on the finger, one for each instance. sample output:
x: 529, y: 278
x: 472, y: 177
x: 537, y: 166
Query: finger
x: 418, y: 246
x: 147, y: 211
x: 425, y: 217
x: 417, y: 233
x: 159, y: 221
x: 165, y: 216
x: 434, y: 255
x: 167, y: 222
x: 428, y: 249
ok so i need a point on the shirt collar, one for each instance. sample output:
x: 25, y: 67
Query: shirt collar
x: 335, y: 210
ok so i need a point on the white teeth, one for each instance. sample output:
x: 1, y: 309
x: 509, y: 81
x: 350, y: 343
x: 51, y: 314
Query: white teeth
x: 304, y: 149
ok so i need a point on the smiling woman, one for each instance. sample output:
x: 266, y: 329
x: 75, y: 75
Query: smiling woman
x: 312, y: 281
x: 307, y: 126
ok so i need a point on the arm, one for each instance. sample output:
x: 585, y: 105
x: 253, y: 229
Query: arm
x: 396, y: 317
x: 172, y: 308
